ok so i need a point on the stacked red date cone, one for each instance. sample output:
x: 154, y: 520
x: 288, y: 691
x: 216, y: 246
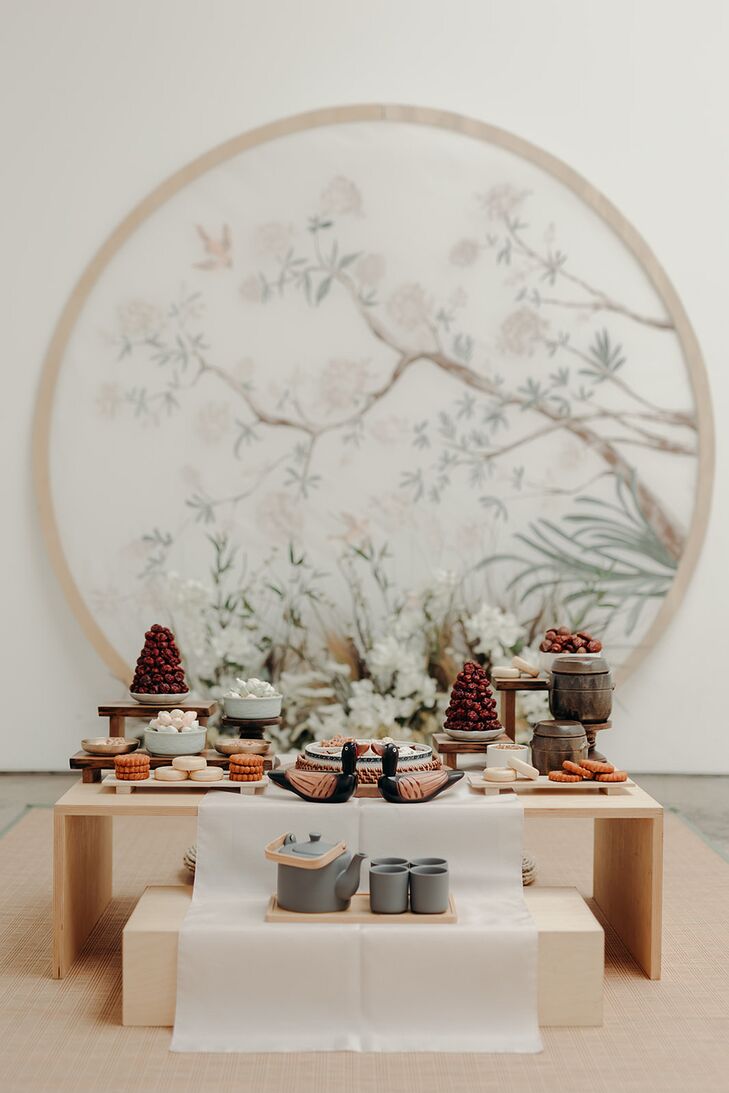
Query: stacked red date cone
x: 159, y: 670
x: 472, y: 706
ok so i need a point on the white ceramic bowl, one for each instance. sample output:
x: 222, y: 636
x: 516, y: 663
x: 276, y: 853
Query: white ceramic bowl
x: 496, y: 756
x: 159, y: 700
x: 252, y: 709
x: 174, y: 743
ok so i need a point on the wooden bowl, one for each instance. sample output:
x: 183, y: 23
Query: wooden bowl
x: 108, y: 745
x: 228, y: 746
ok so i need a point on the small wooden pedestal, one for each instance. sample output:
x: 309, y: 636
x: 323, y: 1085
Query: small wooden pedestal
x: 449, y: 750
x: 118, y: 712
x: 507, y: 689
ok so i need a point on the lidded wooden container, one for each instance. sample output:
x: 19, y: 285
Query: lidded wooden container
x: 555, y: 741
x: 581, y: 689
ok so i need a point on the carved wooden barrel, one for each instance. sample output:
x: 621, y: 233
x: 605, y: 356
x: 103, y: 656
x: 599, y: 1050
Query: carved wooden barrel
x: 581, y: 689
x: 555, y: 741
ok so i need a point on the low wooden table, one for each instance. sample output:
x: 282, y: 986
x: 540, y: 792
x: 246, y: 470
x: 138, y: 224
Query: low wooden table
x: 627, y: 862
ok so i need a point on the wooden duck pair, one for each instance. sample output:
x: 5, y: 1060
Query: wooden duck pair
x: 334, y: 788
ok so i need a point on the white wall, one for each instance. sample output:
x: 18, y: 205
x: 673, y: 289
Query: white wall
x: 102, y: 99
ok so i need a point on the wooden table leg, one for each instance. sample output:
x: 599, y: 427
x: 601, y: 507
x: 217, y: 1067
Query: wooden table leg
x: 508, y: 713
x: 82, y: 877
x: 117, y: 724
x: 628, y: 885
x: 450, y: 760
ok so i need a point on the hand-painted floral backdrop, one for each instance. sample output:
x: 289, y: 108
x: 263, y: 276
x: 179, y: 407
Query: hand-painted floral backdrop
x: 366, y: 341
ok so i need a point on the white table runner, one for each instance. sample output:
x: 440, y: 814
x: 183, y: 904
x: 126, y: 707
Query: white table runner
x: 247, y: 985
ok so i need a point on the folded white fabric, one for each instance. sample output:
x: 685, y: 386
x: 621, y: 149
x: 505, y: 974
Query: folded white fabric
x: 248, y: 985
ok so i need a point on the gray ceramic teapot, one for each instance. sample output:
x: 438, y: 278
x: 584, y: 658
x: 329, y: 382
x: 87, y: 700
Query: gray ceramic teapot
x: 314, y: 876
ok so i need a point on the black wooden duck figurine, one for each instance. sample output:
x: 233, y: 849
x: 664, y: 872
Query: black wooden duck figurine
x: 322, y: 785
x: 409, y: 789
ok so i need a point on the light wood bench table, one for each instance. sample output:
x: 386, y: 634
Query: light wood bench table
x: 627, y: 863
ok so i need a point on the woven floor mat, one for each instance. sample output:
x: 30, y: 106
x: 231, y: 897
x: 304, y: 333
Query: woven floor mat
x: 66, y: 1036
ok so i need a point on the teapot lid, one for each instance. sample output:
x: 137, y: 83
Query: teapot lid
x: 314, y: 848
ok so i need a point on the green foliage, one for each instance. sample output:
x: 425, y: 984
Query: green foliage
x: 602, y: 560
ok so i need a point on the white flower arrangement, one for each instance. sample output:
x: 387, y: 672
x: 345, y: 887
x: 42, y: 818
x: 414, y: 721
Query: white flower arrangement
x: 384, y: 673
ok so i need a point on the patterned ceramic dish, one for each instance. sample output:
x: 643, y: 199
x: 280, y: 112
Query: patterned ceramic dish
x: 410, y: 756
x: 108, y: 745
x: 321, y: 756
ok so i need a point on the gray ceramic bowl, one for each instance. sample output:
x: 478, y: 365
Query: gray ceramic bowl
x: 252, y: 709
x: 174, y: 743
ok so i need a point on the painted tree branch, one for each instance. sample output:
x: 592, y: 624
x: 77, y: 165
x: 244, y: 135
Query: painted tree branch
x: 600, y: 300
x: 667, y: 530
x: 669, y: 533
x: 657, y: 413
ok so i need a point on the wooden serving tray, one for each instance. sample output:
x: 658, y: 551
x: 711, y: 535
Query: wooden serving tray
x: 91, y: 766
x: 124, y: 786
x: 358, y: 912
x: 526, y: 785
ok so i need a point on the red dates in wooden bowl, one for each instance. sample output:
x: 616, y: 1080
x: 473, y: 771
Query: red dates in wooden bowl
x: 560, y: 639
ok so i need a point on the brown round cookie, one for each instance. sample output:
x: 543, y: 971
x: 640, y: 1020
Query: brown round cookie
x: 575, y: 768
x: 597, y: 767
x: 563, y: 776
x: 126, y: 763
x: 246, y: 762
x: 138, y: 775
x: 251, y: 776
x: 613, y: 776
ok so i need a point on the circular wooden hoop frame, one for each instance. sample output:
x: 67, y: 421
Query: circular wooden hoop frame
x: 333, y: 116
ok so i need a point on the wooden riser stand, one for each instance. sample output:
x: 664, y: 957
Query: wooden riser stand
x: 118, y: 712
x: 449, y: 749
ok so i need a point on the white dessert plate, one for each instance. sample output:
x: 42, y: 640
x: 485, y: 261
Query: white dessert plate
x: 159, y: 700
x: 477, y: 736
x: 124, y: 786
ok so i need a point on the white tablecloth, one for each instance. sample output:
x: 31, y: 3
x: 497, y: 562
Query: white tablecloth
x: 247, y: 985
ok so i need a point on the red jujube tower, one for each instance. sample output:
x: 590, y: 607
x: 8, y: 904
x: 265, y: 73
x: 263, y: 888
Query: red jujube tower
x: 159, y: 669
x: 472, y: 706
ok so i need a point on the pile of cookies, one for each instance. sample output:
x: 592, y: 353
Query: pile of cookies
x: 194, y: 767
x: 245, y: 768
x: 586, y: 770
x: 131, y: 768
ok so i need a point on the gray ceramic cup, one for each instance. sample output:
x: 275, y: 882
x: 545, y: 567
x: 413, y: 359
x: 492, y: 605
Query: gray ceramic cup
x: 429, y: 861
x: 389, y: 889
x: 391, y: 861
x: 429, y: 889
